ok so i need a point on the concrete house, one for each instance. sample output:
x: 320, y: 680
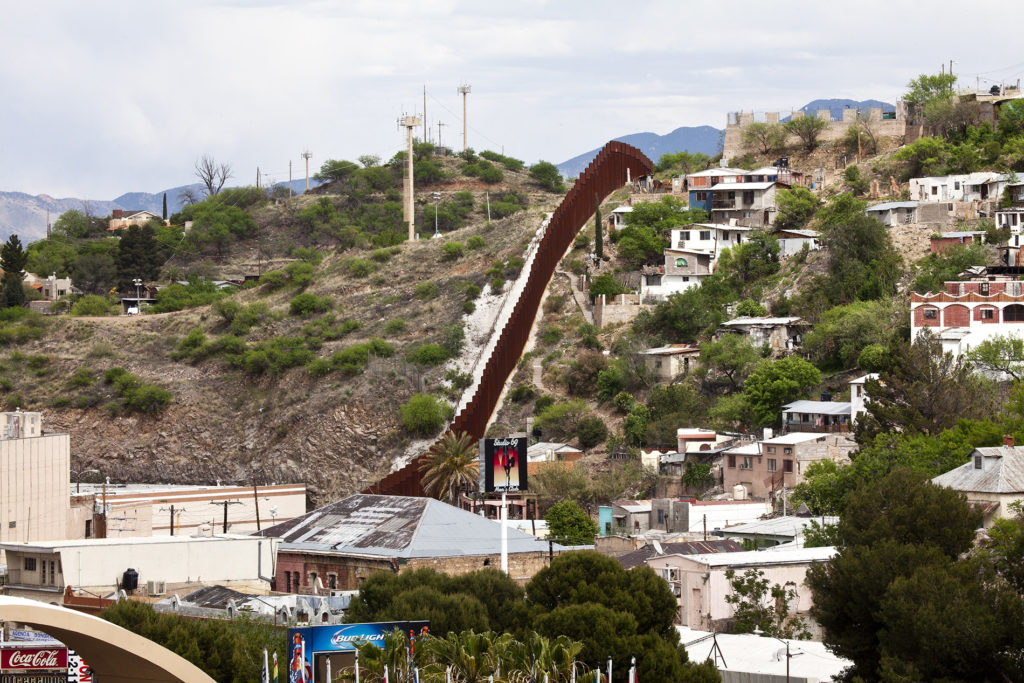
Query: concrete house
x: 709, y: 238
x: 700, y: 584
x: 631, y: 517
x: 781, y: 335
x: 894, y: 213
x: 682, y: 269
x: 762, y: 470
x: 816, y: 416
x: 121, y: 219
x: 671, y: 361
x: 942, y: 242
x: 992, y: 479
x: 792, y: 242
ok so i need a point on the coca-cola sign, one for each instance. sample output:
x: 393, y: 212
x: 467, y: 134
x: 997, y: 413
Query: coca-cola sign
x: 36, y: 658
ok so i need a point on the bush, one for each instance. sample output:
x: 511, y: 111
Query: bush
x: 426, y: 290
x: 591, y: 431
x: 427, y: 354
x: 198, y: 292
x: 307, y: 304
x: 274, y: 279
x: 522, y: 394
x: 546, y: 175
x: 147, y: 398
x: 227, y: 309
x: 91, y: 305
x: 300, y: 274
x: 551, y: 335
x: 423, y: 414
x: 472, y: 291
x: 81, y: 377
x: 497, y: 284
x: 453, y: 251
x: 468, y: 307
x: 395, y: 326
x: 358, y: 267
x: 624, y: 401
x: 476, y: 242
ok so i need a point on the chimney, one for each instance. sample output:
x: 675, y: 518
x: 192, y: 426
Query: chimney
x: 1008, y: 440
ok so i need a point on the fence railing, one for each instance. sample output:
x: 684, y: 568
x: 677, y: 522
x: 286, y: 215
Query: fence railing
x: 605, y: 174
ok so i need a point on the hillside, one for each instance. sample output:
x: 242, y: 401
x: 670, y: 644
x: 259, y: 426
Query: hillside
x: 238, y: 409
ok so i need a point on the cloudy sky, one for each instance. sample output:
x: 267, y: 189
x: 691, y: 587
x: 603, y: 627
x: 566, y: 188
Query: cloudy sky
x: 100, y: 98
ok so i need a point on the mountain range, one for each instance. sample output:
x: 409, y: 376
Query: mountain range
x: 693, y: 139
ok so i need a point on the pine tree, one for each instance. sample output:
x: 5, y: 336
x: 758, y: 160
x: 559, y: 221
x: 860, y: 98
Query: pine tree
x: 598, y: 234
x: 12, y: 261
x: 165, y: 206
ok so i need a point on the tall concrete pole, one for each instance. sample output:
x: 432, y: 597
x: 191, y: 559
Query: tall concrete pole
x: 306, y: 155
x: 464, y: 90
x: 409, y: 122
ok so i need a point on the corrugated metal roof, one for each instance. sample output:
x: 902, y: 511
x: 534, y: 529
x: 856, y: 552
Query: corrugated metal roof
x: 889, y: 206
x: 777, y: 526
x: 397, y: 526
x: 1002, y: 471
x: 796, y: 437
x: 638, y: 558
x: 764, y: 321
x: 818, y: 407
x: 761, y: 558
x: 742, y: 186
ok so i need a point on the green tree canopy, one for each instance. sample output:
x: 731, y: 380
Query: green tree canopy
x: 808, y: 128
x: 570, y: 524
x: 764, y: 137
x: 12, y: 260
x: 773, y: 384
x: 547, y: 175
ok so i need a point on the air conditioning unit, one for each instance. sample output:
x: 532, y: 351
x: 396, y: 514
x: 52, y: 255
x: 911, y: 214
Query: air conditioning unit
x: 156, y: 587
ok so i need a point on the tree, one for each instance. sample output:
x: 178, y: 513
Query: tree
x: 53, y: 256
x: 71, y: 224
x: 1000, y: 355
x: 165, y: 207
x: 12, y: 261
x: 926, y: 88
x: 925, y: 391
x: 773, y: 384
x: 546, y: 174
x: 759, y: 605
x: 138, y: 256
x: 756, y: 258
x: 844, y: 331
x: 211, y: 174
x: 732, y: 357
x: 570, y: 524
x: 863, y: 264
x: 94, y: 272
x: 808, y: 128
x: 605, y: 284
x: 591, y: 431
x: 450, y: 466
x: 333, y: 170
x: 423, y: 414
x: 765, y: 137
x: 796, y: 206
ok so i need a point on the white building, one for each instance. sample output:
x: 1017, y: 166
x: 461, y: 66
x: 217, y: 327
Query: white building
x: 992, y: 479
x: 792, y: 242
x: 743, y: 658
x: 958, y: 187
x: 711, y: 238
x: 969, y: 312
x: 682, y: 269
x: 857, y: 395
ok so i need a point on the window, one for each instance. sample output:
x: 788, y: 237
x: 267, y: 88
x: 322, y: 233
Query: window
x: 681, y: 263
x: 787, y: 451
x: 986, y: 314
x: 984, y: 288
x: 705, y: 234
x: 748, y: 463
x: 787, y: 465
x: 661, y: 516
x: 312, y: 578
x: 295, y: 580
x: 53, y: 574
x: 771, y: 464
x: 88, y: 528
x: 956, y: 185
x: 732, y: 461
x: 771, y: 449
x: 332, y: 581
x: 684, y: 236
x: 931, y: 313
x: 30, y: 564
x: 702, y: 196
x: 977, y: 462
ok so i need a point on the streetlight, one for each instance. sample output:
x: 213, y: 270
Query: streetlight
x: 789, y: 656
x: 138, y: 296
x: 436, y: 196
x: 78, y: 479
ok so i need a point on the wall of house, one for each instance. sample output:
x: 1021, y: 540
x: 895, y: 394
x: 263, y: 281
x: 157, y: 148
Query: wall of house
x: 620, y: 309
x: 34, y: 473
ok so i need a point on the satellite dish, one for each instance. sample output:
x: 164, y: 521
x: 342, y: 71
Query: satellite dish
x: 657, y: 547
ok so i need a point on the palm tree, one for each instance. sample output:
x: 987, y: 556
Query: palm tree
x: 449, y: 466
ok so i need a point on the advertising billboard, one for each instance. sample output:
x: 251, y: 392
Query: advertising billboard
x: 503, y: 465
x: 32, y: 659
x: 304, y: 642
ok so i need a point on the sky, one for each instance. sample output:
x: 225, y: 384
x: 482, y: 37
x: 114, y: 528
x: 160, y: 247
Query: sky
x: 100, y: 98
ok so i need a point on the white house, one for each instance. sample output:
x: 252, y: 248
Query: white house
x: 894, y: 213
x: 958, y: 187
x: 792, y: 242
x: 992, y: 479
x: 857, y: 395
x: 682, y: 269
x: 712, y: 238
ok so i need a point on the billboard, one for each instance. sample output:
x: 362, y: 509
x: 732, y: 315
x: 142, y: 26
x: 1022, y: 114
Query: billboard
x: 34, y: 659
x: 503, y: 464
x: 303, y: 642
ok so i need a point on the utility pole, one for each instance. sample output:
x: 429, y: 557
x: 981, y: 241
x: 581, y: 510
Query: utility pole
x: 464, y: 90
x: 174, y: 511
x: 256, y: 500
x: 306, y: 155
x: 257, y: 177
x: 425, y: 113
x: 226, y: 503
x: 409, y: 122
x: 439, y: 124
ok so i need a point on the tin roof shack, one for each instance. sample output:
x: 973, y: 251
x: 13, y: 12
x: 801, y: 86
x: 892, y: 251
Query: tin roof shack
x: 992, y: 479
x: 631, y: 516
x: 670, y: 361
x: 700, y: 584
x: 765, y: 533
x: 337, y: 546
x: 894, y: 213
x: 816, y: 416
x: 781, y: 335
x: 792, y: 242
x: 42, y: 570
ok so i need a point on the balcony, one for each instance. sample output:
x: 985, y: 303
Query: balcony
x: 723, y: 204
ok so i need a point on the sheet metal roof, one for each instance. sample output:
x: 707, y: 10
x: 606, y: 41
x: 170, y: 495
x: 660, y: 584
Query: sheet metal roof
x: 1002, y: 471
x: 818, y: 407
x: 764, y: 321
x: 795, y: 437
x: 397, y: 526
x: 777, y: 526
x: 638, y: 558
x: 889, y: 206
x: 742, y: 186
x: 754, y: 558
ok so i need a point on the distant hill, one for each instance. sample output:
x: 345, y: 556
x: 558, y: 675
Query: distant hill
x: 691, y: 139
x: 837, y: 105
x: 25, y: 215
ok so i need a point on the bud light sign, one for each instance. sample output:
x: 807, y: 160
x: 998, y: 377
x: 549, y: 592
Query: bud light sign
x: 304, y: 642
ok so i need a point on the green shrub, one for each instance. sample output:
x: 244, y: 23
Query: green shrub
x: 358, y: 267
x: 497, y: 284
x: 426, y: 290
x: 351, y: 360
x: 423, y: 414
x: 81, y: 377
x: 453, y: 251
x: 468, y: 307
x: 472, y: 291
x: 198, y: 292
x: 111, y: 375
x: 91, y: 305
x: 459, y: 380
x: 476, y: 242
x: 513, y: 265
x: 427, y: 354
x: 300, y: 274
x: 591, y: 431
x: 147, y: 398
x: 307, y: 304
x: 247, y: 318
x: 395, y: 326
x: 6, y: 384
x: 274, y: 279
x: 227, y: 309
x: 624, y: 401
x: 308, y: 254
x: 189, y: 344
x: 37, y: 362
x: 551, y: 335
x: 542, y: 403
x: 522, y: 394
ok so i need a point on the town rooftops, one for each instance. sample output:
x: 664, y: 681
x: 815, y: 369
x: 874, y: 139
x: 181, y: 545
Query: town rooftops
x: 745, y: 449
x: 749, y: 657
x: 764, y: 321
x: 634, y: 506
x: 889, y: 206
x: 369, y: 525
x: 796, y: 437
x: 625, y: 208
x: 723, y: 170
x: 776, y: 526
x: 1001, y: 471
x: 864, y: 378
x: 798, y: 233
x: 718, y: 226
x: 818, y: 407
x: 760, y: 558
x: 53, y: 546
x: 672, y: 350
x: 638, y: 558
x: 961, y: 233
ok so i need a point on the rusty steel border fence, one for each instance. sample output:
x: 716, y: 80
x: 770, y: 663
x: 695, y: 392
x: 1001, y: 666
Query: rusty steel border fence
x: 605, y: 174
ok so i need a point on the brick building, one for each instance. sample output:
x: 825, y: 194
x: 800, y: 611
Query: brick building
x: 339, y: 545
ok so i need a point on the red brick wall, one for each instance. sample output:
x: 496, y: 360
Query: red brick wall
x: 956, y: 316
x: 921, y: 321
x: 993, y: 319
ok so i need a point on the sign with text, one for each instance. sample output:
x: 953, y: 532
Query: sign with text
x: 78, y: 670
x: 34, y: 659
x: 503, y: 465
x: 304, y: 642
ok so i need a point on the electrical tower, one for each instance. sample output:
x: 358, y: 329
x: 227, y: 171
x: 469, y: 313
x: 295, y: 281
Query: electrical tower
x: 409, y: 122
x: 464, y: 90
x: 306, y: 155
